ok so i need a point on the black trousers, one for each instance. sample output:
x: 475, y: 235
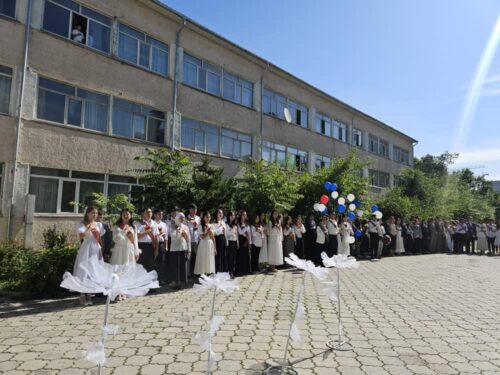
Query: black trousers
x: 221, y: 256
x: 255, y: 258
x: 147, y: 257
x: 232, y: 249
x: 374, y: 240
x: 417, y: 245
x: 243, y: 257
x: 299, y: 247
x: 177, y: 267
x: 491, y: 243
x: 470, y: 243
x: 461, y: 238
x: 333, y: 245
x: 161, y: 262
x: 192, y: 260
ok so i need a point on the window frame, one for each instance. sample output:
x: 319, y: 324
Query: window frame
x: 375, y: 178
x: 324, y: 161
x: 80, y: 13
x: 279, y: 102
x: 357, y: 134
x: 9, y: 94
x: 238, y: 140
x: 202, y: 128
x: 11, y: 16
x: 208, y: 68
x: 276, y: 149
x: 238, y: 85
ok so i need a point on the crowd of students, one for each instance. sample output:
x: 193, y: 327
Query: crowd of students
x: 182, y: 246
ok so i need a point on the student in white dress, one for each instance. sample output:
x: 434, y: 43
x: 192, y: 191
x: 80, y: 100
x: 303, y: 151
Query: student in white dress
x: 147, y: 232
x: 482, y: 241
x: 400, y: 248
x: 345, y: 232
x: 263, y: 254
x: 178, y: 253
x: 205, y: 258
x: 90, y: 233
x: 126, y: 248
x: 244, y: 242
x: 219, y: 230
x: 299, y: 230
x: 232, y: 242
x: 275, y: 241
x: 257, y: 232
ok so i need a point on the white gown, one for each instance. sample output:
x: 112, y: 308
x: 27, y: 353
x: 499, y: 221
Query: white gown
x: 89, y: 249
x: 124, y: 251
x: 275, y: 245
x: 400, y: 247
x: 263, y: 257
x: 482, y: 242
x: 345, y: 230
x: 205, y: 256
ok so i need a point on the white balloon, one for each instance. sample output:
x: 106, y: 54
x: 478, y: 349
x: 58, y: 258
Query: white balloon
x: 350, y: 197
x: 288, y: 116
x: 360, y: 213
x: 350, y: 239
x: 335, y: 194
x: 316, y: 206
x: 341, y: 200
x: 378, y: 214
x: 321, y: 207
x: 352, y: 207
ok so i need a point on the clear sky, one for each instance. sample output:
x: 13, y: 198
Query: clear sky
x: 429, y: 68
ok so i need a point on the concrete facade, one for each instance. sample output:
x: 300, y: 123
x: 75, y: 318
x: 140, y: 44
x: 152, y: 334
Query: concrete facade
x: 54, y: 145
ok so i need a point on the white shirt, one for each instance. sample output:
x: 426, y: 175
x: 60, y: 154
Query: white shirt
x: 461, y: 228
x: 219, y: 229
x: 299, y: 231
x: 491, y: 230
x: 141, y: 228
x: 190, y: 221
x: 256, y: 236
x: 163, y: 230
x: 242, y: 231
x: 332, y: 227
x: 320, y: 235
x: 179, y: 243
x: 372, y: 226
x: 77, y: 36
x: 232, y: 233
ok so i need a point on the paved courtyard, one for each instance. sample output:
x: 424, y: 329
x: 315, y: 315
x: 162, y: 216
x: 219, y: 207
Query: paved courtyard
x: 433, y: 314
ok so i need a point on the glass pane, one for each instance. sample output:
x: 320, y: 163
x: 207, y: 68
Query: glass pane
x: 246, y: 149
x: 87, y: 175
x: 5, y: 84
x: 96, y: 116
x: 56, y: 86
x: 115, y: 189
x: 56, y: 19
x: 8, y: 8
x: 228, y: 89
x: 139, y: 127
x: 97, y: 16
x: 247, y: 97
x: 127, y: 48
x: 212, y: 143
x: 160, y: 62
x: 68, y: 195
x: 99, y: 98
x: 237, y: 149
x: 202, y: 79
x: 45, y: 190
x: 74, y: 112
x: 189, y: 74
x: 187, y: 138
x: 126, y: 179
x: 122, y: 123
x: 144, y: 55
x: 266, y: 105
x: 227, y: 146
x: 99, y: 36
x: 49, y: 172
x: 68, y: 4
x: 238, y: 93
x: 86, y: 190
x: 132, y: 32
x: 51, y: 106
x: 199, y: 140
x: 156, y: 131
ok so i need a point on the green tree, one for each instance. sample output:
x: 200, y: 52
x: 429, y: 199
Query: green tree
x: 210, y: 189
x: 265, y: 187
x: 166, y: 179
x: 435, y: 166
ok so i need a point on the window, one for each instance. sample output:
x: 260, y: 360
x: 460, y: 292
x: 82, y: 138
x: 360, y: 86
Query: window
x: 322, y: 161
x: 143, y: 50
x: 2, y: 179
x: 274, y: 104
x: 236, y: 145
x: 63, y: 191
x: 339, y: 131
x: 5, y: 88
x: 323, y: 124
x: 378, y: 178
x: 136, y: 121
x: 201, y: 74
x: 78, y: 23
x: 238, y: 90
x: 357, y: 137
x: 400, y: 155
x: 65, y: 104
x: 384, y: 148
x: 8, y: 8
x: 199, y: 136
x: 287, y: 157
x: 378, y: 146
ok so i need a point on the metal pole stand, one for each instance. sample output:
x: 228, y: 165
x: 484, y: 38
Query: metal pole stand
x: 285, y: 367
x: 103, y: 334
x: 340, y: 343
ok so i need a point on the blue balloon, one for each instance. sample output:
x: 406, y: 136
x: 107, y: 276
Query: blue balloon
x: 351, y: 216
x: 341, y: 208
x: 357, y: 202
x: 333, y: 187
x: 325, y: 211
x: 374, y: 208
x: 328, y: 185
x: 358, y: 233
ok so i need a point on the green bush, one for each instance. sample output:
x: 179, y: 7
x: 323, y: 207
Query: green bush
x: 35, y: 273
x: 52, y: 238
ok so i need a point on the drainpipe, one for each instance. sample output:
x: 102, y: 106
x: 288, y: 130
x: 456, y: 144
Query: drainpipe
x: 261, y: 131
x: 19, y: 119
x: 176, y: 79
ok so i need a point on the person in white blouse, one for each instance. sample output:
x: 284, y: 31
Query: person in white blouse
x: 244, y: 241
x: 205, y: 258
x: 275, y: 241
x: 178, y: 253
x: 232, y: 242
x: 288, y: 237
x: 147, y: 232
x: 193, y: 222
x: 333, y: 232
x: 219, y: 231
x: 163, y: 230
x: 491, y: 232
x: 321, y: 240
x: 299, y: 230
x: 345, y: 232
x: 89, y: 232
x: 257, y: 232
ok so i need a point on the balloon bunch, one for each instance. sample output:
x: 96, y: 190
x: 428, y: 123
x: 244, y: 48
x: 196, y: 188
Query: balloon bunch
x: 349, y: 203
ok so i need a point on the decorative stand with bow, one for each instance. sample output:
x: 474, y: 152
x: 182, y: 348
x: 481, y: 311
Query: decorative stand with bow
x: 220, y: 281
